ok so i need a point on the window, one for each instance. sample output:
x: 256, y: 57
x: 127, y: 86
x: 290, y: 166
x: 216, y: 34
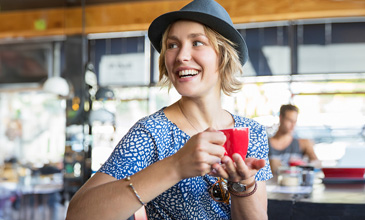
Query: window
x: 120, y: 60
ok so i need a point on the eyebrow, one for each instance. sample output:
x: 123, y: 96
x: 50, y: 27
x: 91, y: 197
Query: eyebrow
x: 192, y: 35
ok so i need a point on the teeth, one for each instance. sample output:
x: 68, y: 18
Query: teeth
x: 185, y: 73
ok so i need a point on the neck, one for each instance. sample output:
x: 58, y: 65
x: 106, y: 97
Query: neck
x: 282, y: 134
x: 201, y: 115
x: 186, y: 117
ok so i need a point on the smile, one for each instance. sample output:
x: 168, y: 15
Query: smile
x: 187, y: 73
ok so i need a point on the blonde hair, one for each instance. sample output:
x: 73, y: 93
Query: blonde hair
x: 229, y: 63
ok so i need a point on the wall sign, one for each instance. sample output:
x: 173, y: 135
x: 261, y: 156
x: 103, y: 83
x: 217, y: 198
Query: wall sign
x: 123, y: 69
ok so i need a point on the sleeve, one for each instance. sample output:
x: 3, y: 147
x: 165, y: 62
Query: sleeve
x: 260, y: 149
x: 134, y: 152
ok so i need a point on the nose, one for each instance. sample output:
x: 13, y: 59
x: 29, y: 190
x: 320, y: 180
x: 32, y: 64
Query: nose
x: 292, y: 126
x: 184, y: 54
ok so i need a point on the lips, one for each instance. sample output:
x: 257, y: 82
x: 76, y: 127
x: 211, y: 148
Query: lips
x: 187, y: 73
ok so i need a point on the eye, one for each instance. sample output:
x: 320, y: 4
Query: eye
x: 171, y: 45
x: 197, y: 43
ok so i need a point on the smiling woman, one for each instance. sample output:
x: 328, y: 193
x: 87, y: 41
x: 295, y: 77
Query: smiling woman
x: 201, y: 53
x: 229, y: 59
x: 189, y: 51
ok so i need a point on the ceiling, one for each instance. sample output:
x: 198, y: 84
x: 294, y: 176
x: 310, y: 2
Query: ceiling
x: 12, y: 5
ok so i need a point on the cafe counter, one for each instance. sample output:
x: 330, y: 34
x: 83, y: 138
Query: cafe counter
x: 336, y: 200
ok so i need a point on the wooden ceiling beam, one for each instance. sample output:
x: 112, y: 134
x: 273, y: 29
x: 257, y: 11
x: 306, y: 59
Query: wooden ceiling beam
x: 132, y: 16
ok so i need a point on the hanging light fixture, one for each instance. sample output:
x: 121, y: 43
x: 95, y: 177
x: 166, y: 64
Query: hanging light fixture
x: 104, y: 94
x: 57, y: 85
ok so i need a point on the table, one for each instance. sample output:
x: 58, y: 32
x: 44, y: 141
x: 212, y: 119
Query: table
x: 36, y: 198
x: 7, y: 194
x: 39, y: 196
x: 325, y: 201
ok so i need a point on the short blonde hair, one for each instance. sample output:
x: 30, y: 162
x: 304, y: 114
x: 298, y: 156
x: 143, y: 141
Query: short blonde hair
x: 229, y: 63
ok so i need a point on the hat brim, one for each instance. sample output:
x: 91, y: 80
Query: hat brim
x: 160, y: 24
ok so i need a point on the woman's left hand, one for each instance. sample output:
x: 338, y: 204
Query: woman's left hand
x: 237, y: 170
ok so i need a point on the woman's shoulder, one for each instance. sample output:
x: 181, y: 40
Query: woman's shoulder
x: 155, y: 124
x: 155, y: 119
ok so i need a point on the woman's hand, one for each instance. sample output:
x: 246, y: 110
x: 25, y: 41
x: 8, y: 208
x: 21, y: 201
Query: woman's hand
x: 237, y: 170
x: 200, y: 153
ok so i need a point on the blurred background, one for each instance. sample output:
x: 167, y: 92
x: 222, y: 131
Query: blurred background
x: 76, y: 74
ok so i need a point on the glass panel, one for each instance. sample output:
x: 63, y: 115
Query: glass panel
x: 328, y: 110
x: 331, y: 48
x: 120, y: 61
x: 155, y: 66
x: 269, y: 52
x: 113, y: 120
x: 259, y: 101
x: 336, y: 124
x: 323, y: 88
x: 332, y: 114
x: 25, y: 63
x: 32, y: 128
x: 161, y: 97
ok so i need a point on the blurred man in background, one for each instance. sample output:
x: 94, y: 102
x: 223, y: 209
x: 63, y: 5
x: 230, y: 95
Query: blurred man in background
x: 285, y: 149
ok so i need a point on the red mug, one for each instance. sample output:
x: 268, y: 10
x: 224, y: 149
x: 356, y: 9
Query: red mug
x: 237, y: 141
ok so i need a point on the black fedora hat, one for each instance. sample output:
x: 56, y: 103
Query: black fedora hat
x: 207, y: 12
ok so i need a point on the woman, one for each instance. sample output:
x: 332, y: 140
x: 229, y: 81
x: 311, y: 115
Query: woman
x: 170, y: 160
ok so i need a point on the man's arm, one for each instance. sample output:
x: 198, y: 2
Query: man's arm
x: 275, y: 164
x: 308, y: 149
x: 306, y: 146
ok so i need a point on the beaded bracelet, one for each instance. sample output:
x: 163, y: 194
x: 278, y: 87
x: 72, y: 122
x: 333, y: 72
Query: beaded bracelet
x: 243, y: 194
x: 135, y: 191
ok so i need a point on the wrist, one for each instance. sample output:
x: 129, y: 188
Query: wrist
x: 242, y: 190
x: 174, y: 168
x: 247, y: 181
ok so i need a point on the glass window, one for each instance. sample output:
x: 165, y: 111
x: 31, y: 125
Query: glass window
x: 331, y: 48
x: 269, y: 52
x: 32, y: 128
x: 330, y: 111
x: 155, y: 66
x: 25, y: 63
x: 120, y: 61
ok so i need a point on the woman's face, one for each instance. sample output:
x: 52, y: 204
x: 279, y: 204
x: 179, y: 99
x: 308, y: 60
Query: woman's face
x: 191, y: 61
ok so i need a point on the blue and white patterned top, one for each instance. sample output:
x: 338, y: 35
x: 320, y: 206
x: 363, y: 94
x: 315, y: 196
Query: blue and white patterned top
x: 154, y: 138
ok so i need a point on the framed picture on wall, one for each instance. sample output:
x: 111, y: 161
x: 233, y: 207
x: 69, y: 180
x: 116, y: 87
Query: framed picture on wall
x: 25, y: 63
x: 123, y: 69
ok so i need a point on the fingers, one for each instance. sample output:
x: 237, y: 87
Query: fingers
x: 238, y: 169
x: 201, y: 152
x: 210, y: 129
x: 255, y: 163
x: 251, y: 163
x: 211, y: 142
x: 218, y: 170
x: 214, y: 136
